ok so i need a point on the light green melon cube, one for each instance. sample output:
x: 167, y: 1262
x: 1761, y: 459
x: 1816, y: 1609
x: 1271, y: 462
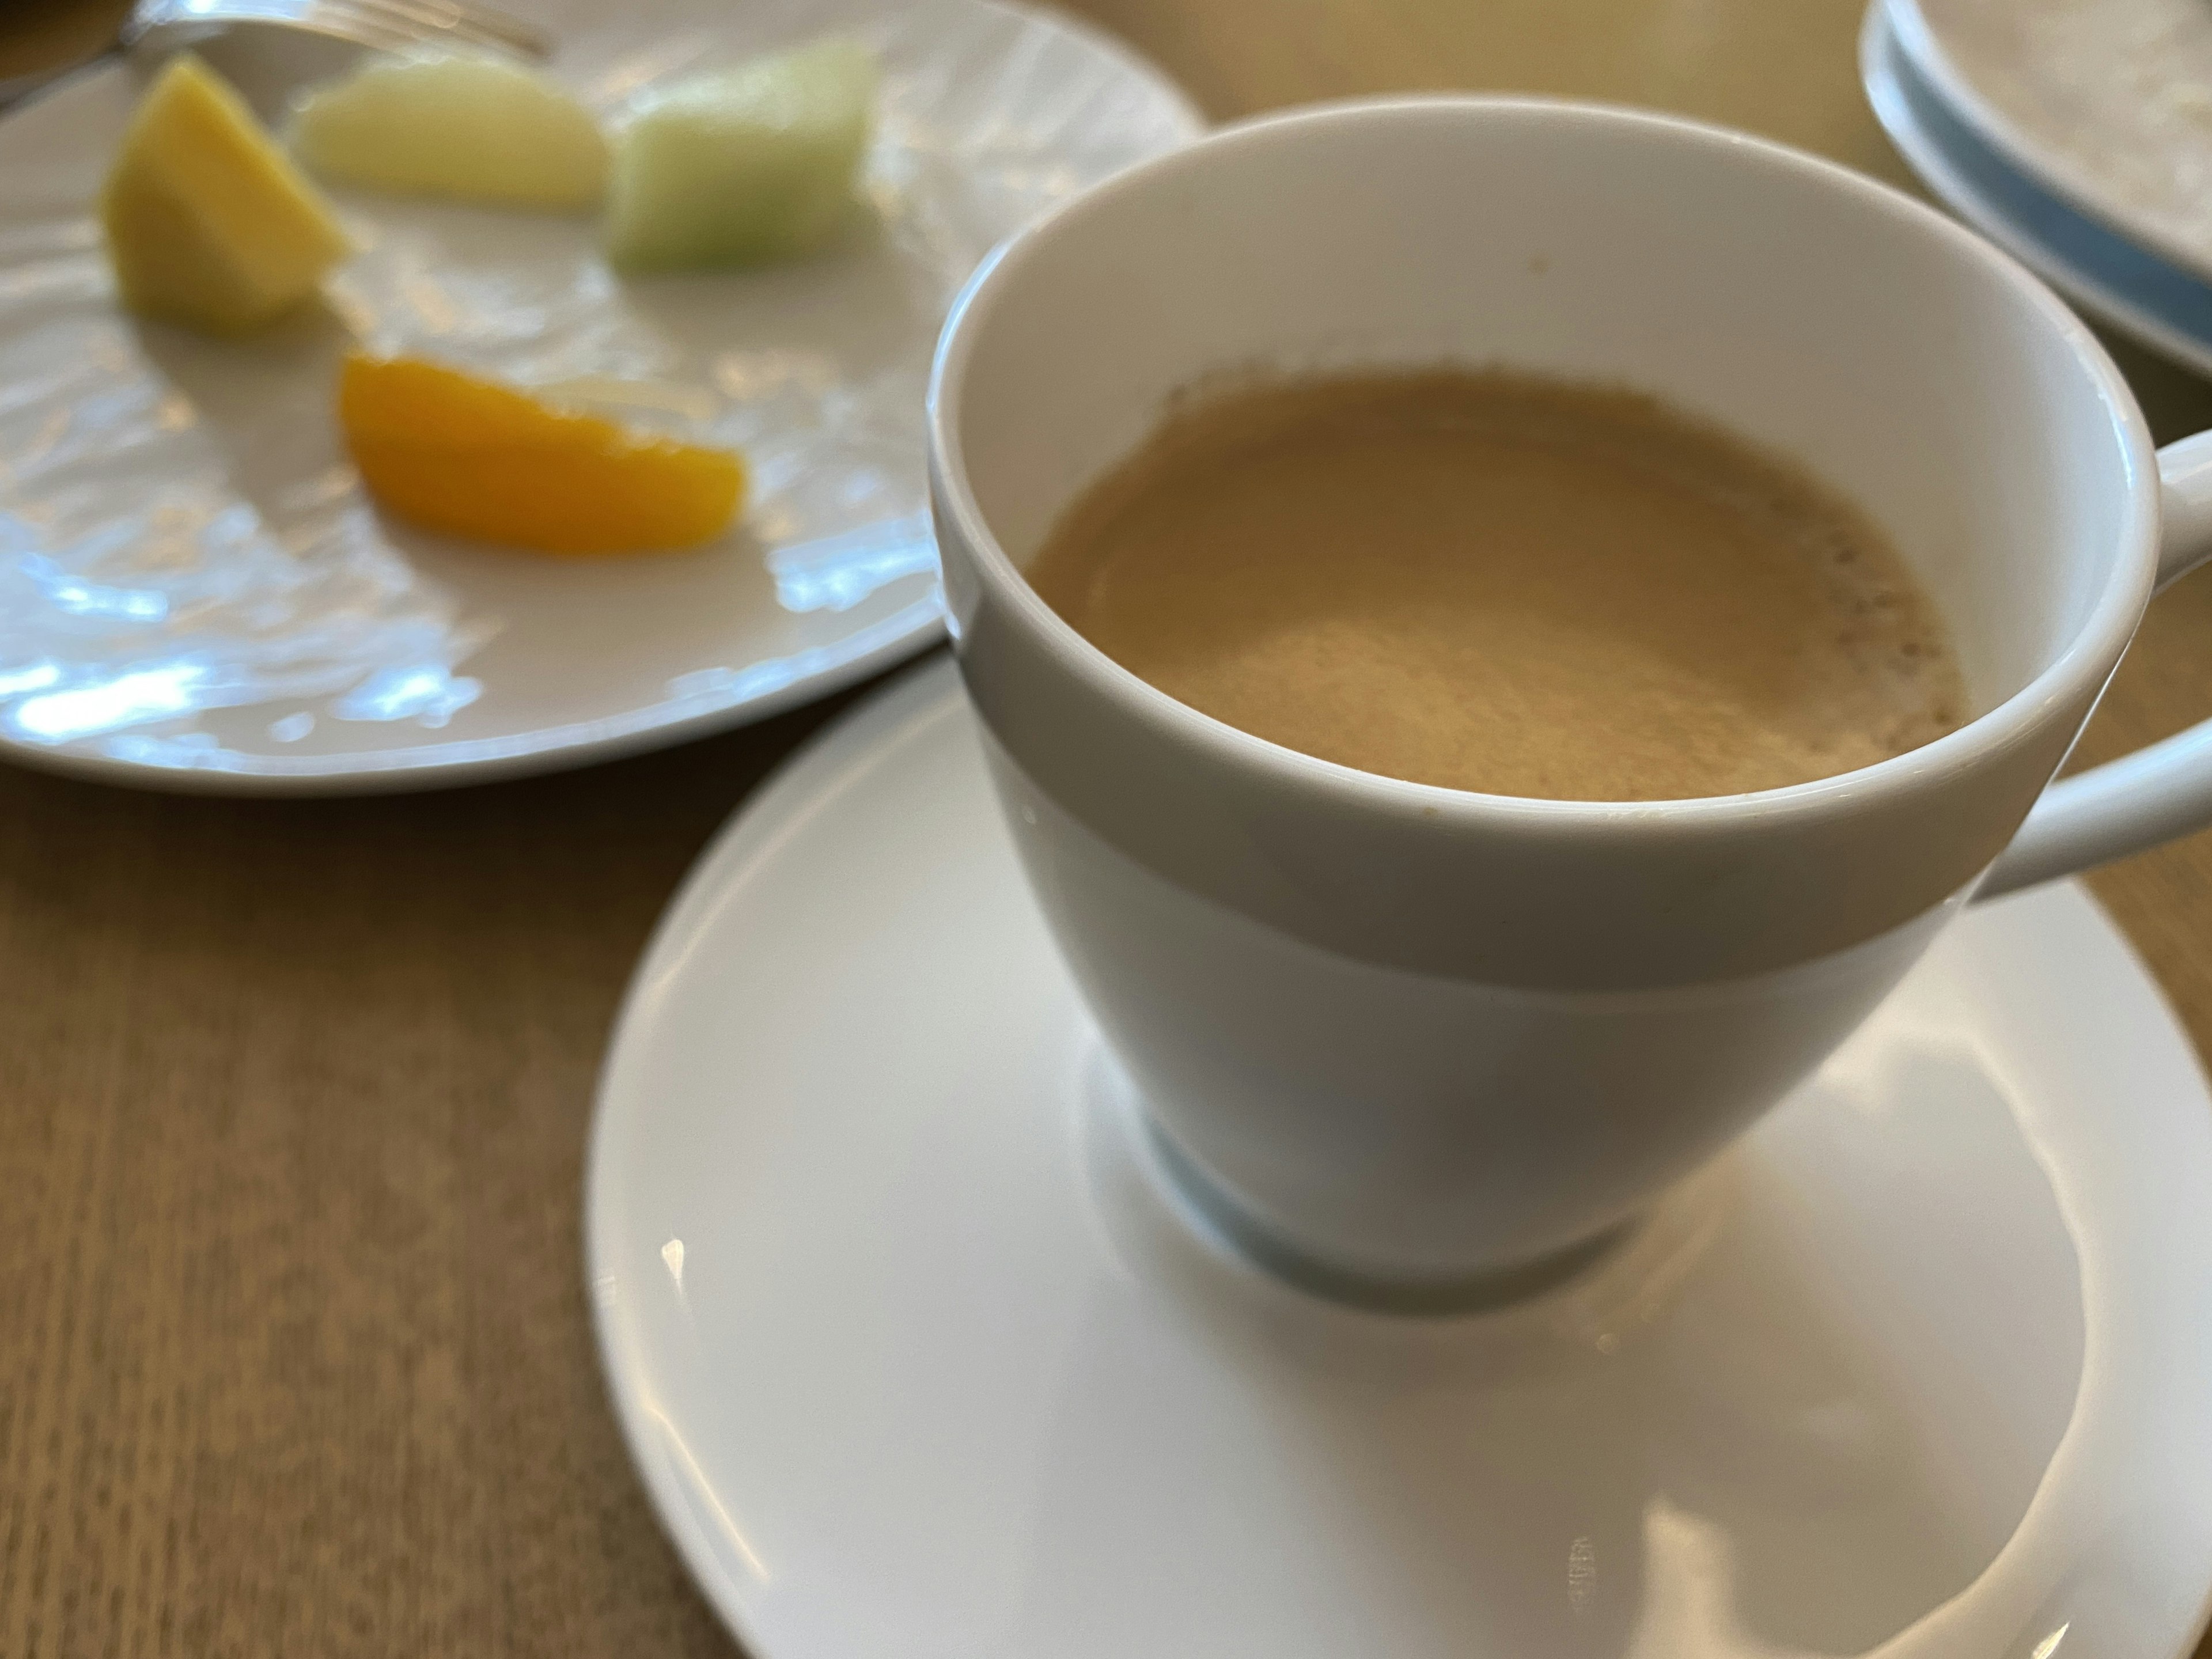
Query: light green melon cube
x: 741, y: 167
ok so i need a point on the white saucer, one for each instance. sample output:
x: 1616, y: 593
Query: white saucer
x: 920, y: 1356
x: 2162, y: 305
x: 194, y: 593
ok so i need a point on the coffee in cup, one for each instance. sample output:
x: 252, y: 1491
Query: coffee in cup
x: 1505, y: 583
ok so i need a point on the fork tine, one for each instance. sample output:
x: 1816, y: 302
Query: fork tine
x: 372, y: 26
x: 166, y: 25
x: 431, y: 20
x: 386, y: 25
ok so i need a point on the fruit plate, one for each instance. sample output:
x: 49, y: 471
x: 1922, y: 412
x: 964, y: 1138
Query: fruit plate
x: 196, y: 594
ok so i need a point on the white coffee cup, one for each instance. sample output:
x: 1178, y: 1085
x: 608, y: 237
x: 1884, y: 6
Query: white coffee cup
x: 1410, y: 1033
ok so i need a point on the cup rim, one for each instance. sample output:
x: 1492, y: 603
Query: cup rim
x: 2089, y: 655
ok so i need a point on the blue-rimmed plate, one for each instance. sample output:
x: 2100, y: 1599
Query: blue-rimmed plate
x: 2106, y: 104
x: 2108, y: 275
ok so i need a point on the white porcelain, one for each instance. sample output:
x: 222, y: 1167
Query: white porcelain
x: 2142, y: 295
x: 920, y: 1356
x: 194, y: 593
x: 1417, y: 1033
x: 2107, y: 104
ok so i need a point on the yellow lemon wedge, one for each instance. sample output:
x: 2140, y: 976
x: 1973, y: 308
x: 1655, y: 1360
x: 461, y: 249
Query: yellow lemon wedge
x: 471, y: 458
x: 208, y: 223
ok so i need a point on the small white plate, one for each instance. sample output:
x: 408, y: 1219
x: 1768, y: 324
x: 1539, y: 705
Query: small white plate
x: 2163, y: 305
x: 920, y: 1356
x: 2106, y: 104
x: 194, y: 593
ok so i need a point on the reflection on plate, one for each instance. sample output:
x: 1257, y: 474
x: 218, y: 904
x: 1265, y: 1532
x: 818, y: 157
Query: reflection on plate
x: 193, y: 590
x: 2165, y: 307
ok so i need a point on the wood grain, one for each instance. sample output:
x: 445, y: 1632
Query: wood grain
x: 294, y: 1358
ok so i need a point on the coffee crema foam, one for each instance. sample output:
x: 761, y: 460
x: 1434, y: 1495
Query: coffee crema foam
x: 1505, y: 583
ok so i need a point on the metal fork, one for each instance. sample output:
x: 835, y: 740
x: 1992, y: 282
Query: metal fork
x: 387, y: 25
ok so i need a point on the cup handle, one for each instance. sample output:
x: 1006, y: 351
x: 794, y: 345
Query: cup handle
x: 2156, y: 793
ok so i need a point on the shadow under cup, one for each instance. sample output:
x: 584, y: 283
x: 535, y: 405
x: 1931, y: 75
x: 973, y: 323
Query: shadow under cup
x: 1416, y: 1035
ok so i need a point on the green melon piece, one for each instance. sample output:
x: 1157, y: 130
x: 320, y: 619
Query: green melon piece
x: 743, y: 166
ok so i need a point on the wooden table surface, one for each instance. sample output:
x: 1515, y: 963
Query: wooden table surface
x: 293, y: 1352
